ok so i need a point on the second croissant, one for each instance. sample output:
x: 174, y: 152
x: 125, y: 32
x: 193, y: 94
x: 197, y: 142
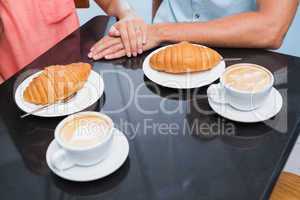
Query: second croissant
x: 185, y: 57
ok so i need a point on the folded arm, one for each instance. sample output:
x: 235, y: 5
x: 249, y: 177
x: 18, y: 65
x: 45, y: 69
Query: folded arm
x: 264, y: 28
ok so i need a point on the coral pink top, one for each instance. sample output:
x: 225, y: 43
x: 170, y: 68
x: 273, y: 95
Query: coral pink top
x: 31, y: 27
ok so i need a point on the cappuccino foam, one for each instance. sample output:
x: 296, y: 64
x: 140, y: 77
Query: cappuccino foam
x: 84, y: 131
x: 247, y: 78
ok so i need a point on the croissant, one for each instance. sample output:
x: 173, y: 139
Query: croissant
x: 185, y: 57
x: 57, y: 82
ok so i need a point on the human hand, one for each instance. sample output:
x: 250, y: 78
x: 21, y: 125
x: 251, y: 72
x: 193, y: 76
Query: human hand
x: 133, y: 32
x: 113, y: 47
x: 106, y: 46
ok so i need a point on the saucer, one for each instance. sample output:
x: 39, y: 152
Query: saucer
x: 88, y: 95
x: 117, y: 156
x: 267, y: 110
x: 182, y: 81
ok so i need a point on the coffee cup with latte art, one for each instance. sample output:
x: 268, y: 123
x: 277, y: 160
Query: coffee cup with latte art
x: 244, y: 86
x: 84, y: 138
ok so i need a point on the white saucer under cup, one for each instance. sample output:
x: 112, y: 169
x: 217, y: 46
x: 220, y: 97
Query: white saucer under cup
x: 117, y: 156
x: 182, y: 81
x: 87, y: 96
x: 267, y: 110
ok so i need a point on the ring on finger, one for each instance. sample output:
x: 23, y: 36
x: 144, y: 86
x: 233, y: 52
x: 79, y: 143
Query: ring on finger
x: 137, y: 28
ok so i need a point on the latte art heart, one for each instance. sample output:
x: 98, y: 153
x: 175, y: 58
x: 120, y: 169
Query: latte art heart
x: 84, y: 131
x: 247, y: 78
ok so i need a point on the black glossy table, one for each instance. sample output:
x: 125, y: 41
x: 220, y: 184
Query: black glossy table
x: 179, y: 148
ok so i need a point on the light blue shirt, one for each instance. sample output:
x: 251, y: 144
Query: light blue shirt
x: 200, y: 10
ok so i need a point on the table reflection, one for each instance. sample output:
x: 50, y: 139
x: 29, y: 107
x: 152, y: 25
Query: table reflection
x: 205, y: 124
x: 93, y: 188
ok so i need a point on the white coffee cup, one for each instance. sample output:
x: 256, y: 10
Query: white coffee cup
x: 244, y: 100
x: 68, y: 156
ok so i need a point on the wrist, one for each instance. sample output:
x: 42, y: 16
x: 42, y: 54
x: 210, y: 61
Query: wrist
x: 158, y: 33
x: 126, y: 13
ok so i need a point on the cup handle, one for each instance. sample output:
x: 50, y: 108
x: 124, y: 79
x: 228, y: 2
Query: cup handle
x: 61, y: 161
x: 216, y: 93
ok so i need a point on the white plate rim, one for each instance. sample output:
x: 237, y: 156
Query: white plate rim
x: 118, y: 135
x: 21, y: 87
x: 275, y: 92
x: 220, y: 68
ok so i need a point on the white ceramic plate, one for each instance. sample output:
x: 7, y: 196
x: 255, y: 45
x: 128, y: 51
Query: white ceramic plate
x: 117, y: 156
x: 87, y: 96
x: 269, y: 109
x: 182, y: 81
